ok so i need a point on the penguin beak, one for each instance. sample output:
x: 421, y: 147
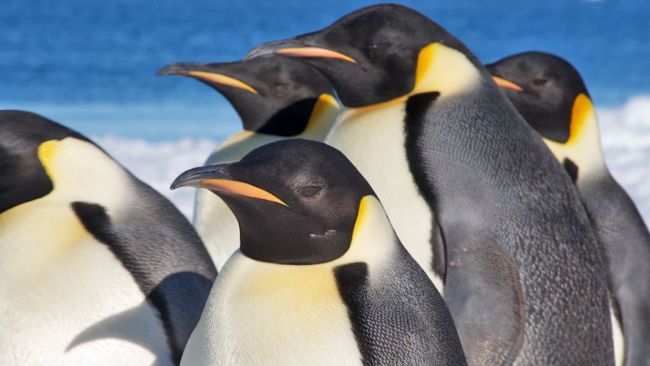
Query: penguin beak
x: 315, y: 52
x: 217, y: 179
x: 293, y: 48
x: 506, y: 83
x: 206, y: 73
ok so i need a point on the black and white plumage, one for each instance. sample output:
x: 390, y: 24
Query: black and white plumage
x: 97, y: 267
x: 551, y: 95
x: 320, y: 278
x: 522, y: 275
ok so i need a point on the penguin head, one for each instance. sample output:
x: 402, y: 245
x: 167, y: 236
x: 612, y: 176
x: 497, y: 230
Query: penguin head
x: 272, y: 95
x: 296, y: 200
x: 24, y: 177
x: 545, y: 89
x: 380, y: 53
x: 39, y: 156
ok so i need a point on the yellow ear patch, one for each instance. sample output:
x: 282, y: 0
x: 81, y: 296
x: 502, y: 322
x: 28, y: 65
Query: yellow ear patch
x: 443, y: 69
x: 46, y: 152
x: 222, y: 79
x: 581, y: 114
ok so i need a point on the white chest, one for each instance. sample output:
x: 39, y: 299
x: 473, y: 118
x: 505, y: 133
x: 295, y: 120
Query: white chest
x: 263, y: 314
x: 374, y: 140
x: 56, y: 282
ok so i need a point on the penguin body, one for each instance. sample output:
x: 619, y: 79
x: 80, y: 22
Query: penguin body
x: 276, y: 98
x: 551, y: 95
x: 522, y: 279
x: 320, y: 278
x: 90, y: 275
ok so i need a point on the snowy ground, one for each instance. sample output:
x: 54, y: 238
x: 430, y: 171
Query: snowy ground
x: 625, y: 132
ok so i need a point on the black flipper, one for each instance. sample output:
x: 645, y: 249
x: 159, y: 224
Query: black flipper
x: 402, y: 319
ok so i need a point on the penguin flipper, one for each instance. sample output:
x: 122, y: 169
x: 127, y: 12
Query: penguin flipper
x: 626, y: 240
x: 399, y: 318
x: 480, y: 278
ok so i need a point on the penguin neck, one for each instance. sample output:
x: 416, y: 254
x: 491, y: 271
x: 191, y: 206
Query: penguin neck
x: 440, y: 69
x: 582, y: 151
x: 444, y: 70
x: 322, y: 118
x: 373, y: 240
x: 241, y: 143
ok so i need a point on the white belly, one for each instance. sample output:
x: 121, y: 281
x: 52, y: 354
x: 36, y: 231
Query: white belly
x: 265, y: 314
x: 55, y: 282
x: 380, y: 156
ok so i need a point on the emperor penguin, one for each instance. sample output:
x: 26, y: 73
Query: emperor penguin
x: 320, y: 277
x: 523, y: 279
x: 550, y: 94
x: 276, y: 98
x: 96, y: 267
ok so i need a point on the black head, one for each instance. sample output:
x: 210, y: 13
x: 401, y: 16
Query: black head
x: 543, y: 88
x: 296, y: 200
x: 370, y: 55
x: 24, y: 178
x: 273, y: 95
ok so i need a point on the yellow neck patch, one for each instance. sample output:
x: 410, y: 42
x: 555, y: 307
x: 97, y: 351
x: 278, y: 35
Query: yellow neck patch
x: 443, y: 69
x: 581, y: 114
x: 322, y: 117
x: 46, y: 153
x: 362, y: 214
x: 439, y: 69
x: 583, y: 145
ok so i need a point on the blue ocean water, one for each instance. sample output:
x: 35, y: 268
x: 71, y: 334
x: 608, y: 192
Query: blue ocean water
x: 91, y: 64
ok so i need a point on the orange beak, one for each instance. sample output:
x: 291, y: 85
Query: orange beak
x: 240, y: 189
x: 221, y: 79
x: 204, y: 73
x: 213, y: 178
x: 314, y: 52
x: 506, y: 83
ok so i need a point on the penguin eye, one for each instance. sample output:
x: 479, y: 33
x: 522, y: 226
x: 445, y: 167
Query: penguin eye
x: 309, y: 191
x: 281, y: 86
x: 539, y: 81
x: 372, y: 50
x: 280, y: 89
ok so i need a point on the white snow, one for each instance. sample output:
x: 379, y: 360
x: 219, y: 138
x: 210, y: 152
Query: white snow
x: 625, y: 132
x: 159, y: 163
